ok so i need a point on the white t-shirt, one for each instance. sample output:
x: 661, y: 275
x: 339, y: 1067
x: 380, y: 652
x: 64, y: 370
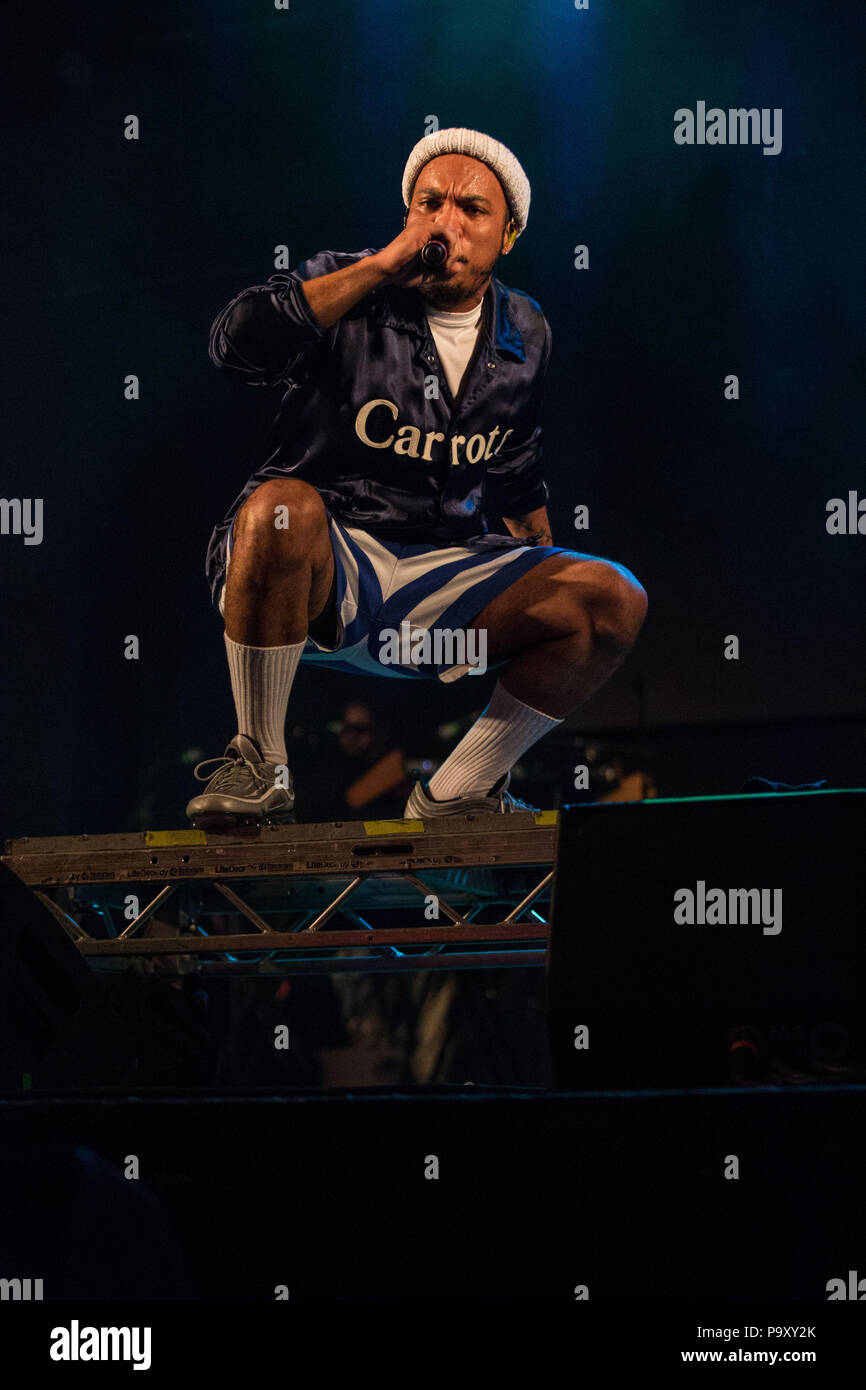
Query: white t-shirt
x: 455, y: 336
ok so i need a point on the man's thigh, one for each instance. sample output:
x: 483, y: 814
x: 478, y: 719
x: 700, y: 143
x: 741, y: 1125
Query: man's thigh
x: 540, y: 605
x: 441, y: 591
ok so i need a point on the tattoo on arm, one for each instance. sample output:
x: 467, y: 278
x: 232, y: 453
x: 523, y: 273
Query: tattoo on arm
x: 538, y: 535
x: 534, y: 529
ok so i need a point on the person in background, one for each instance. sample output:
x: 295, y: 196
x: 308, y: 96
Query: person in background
x: 369, y: 780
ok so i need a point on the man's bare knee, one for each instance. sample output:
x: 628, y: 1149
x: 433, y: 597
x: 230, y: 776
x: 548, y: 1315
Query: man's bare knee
x: 285, y: 515
x: 618, y: 604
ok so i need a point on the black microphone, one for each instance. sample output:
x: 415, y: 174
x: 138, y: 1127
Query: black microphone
x: 434, y: 253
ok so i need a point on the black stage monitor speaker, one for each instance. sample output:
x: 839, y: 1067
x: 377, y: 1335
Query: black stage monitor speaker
x: 709, y: 941
x: 43, y: 978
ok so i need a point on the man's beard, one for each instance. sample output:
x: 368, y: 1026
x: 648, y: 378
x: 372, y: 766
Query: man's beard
x: 443, y: 293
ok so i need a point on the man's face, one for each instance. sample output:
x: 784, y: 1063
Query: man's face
x: 461, y: 200
x: 356, y: 736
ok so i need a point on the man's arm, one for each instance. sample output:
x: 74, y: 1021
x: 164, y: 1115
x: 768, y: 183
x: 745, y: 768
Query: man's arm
x: 266, y: 330
x: 534, y: 527
x: 332, y: 296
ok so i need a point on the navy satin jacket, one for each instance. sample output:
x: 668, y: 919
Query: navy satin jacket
x: 368, y: 418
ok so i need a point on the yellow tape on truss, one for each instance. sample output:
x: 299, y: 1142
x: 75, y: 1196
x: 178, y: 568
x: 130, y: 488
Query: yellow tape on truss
x: 161, y: 839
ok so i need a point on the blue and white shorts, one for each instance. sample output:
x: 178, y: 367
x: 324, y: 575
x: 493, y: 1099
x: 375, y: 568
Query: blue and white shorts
x: 403, y: 608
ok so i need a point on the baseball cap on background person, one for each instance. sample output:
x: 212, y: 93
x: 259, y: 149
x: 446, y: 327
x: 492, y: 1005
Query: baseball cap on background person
x: 459, y: 140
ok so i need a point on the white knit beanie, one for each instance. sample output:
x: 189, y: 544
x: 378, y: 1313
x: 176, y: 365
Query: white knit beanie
x: 458, y: 140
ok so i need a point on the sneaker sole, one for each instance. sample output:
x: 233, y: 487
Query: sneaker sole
x: 471, y: 809
x: 224, y: 820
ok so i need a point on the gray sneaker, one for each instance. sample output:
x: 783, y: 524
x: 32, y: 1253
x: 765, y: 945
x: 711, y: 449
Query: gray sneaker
x: 242, y: 791
x: 422, y: 806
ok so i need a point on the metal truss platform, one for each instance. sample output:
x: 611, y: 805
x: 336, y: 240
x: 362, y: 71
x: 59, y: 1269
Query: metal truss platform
x: 307, y: 899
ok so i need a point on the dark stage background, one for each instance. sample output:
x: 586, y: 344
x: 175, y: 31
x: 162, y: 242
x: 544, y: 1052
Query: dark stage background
x: 261, y: 128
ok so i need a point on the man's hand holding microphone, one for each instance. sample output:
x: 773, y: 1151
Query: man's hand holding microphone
x: 404, y: 261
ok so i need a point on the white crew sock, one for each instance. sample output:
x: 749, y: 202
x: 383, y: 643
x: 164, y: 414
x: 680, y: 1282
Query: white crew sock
x: 504, y: 731
x: 261, y: 681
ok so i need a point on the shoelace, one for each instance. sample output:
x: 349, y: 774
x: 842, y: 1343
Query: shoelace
x: 234, y: 764
x: 512, y: 803
x: 507, y: 800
